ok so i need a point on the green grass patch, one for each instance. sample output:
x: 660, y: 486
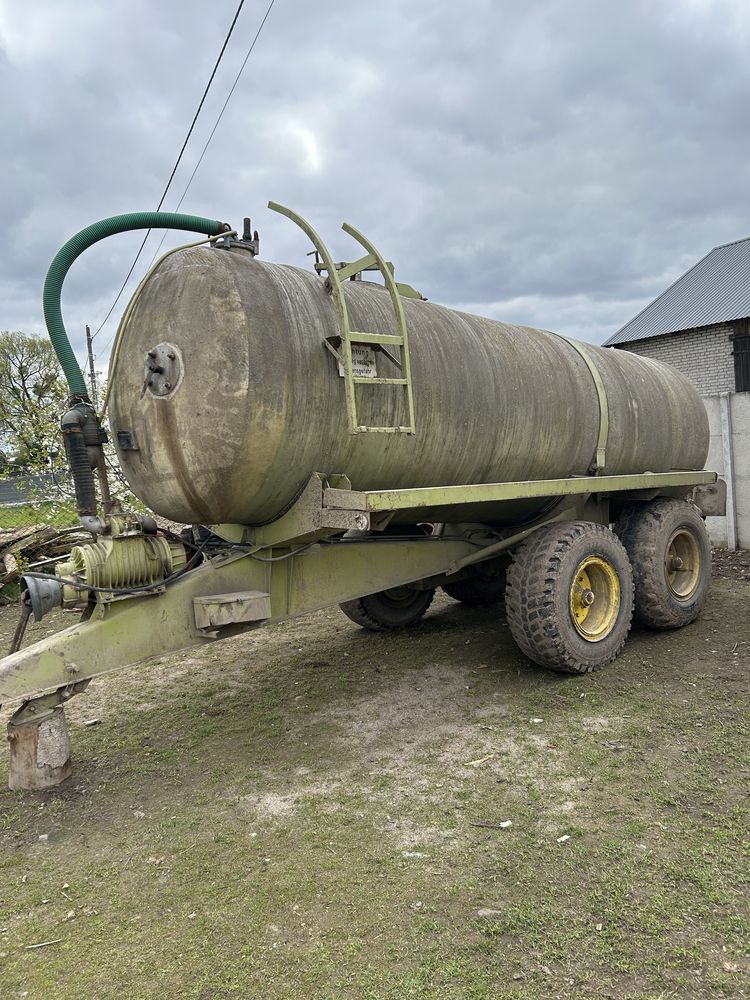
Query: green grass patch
x: 46, y: 512
x: 313, y: 811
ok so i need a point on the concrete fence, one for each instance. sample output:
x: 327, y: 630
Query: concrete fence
x: 729, y: 455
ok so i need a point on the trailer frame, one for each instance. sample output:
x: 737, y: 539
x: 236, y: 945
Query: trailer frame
x: 331, y: 546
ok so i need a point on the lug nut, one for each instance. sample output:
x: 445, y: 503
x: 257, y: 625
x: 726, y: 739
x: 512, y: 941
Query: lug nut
x: 167, y: 386
x: 587, y: 598
x: 676, y: 563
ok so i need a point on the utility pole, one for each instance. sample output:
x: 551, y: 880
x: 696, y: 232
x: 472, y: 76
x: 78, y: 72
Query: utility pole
x: 92, y: 373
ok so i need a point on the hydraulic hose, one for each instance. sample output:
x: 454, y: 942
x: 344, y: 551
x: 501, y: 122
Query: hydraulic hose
x: 79, y: 463
x: 75, y: 246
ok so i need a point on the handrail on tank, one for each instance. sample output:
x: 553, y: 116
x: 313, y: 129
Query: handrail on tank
x: 390, y: 284
x: 333, y: 283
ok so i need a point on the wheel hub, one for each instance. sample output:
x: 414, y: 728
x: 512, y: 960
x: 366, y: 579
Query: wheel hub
x: 682, y: 565
x: 594, y: 598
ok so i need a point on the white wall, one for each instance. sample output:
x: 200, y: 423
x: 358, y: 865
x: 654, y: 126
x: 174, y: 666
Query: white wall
x: 725, y: 409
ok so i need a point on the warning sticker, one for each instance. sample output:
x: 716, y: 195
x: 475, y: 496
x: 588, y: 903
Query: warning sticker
x: 363, y: 362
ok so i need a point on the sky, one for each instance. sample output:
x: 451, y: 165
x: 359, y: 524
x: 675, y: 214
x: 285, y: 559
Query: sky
x: 555, y: 163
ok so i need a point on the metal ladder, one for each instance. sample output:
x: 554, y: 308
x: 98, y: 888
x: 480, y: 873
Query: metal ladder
x: 336, y: 274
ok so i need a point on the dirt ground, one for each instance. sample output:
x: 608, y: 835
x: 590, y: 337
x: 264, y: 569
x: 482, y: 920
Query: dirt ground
x: 315, y: 811
x: 728, y: 565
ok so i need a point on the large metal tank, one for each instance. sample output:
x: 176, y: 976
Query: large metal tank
x: 257, y: 403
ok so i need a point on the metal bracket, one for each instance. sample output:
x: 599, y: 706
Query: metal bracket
x: 307, y: 519
x: 598, y: 465
x: 37, y: 709
x: 514, y: 538
x: 216, y: 611
x: 711, y: 498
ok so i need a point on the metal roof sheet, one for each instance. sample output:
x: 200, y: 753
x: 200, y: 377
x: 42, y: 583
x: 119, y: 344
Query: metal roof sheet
x: 715, y: 290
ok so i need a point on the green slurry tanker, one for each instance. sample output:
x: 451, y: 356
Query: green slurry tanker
x: 336, y: 440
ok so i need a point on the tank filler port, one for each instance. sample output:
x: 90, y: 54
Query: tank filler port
x: 163, y: 370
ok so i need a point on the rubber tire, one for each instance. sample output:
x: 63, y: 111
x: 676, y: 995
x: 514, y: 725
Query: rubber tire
x: 377, y: 613
x: 645, y: 530
x: 478, y: 591
x: 537, y: 597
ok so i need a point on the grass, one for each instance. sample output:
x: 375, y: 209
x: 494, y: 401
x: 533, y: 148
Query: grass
x: 45, y: 512
x: 298, y: 813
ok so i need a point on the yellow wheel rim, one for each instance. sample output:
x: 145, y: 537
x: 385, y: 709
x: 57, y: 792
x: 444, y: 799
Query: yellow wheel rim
x: 594, y: 598
x: 682, y: 564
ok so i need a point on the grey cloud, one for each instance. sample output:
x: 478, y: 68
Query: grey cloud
x: 549, y: 163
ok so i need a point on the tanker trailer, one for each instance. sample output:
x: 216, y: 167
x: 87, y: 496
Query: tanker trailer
x: 335, y: 440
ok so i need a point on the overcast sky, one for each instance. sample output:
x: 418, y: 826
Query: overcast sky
x: 555, y: 163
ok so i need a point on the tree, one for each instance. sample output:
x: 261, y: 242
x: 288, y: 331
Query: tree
x: 33, y: 396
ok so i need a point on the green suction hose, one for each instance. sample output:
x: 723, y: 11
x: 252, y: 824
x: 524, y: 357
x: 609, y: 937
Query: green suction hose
x: 75, y: 246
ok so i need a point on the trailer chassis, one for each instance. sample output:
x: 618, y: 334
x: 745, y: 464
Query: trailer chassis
x: 331, y: 546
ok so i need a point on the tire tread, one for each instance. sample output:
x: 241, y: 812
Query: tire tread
x: 532, y: 578
x: 363, y: 611
x: 641, y: 530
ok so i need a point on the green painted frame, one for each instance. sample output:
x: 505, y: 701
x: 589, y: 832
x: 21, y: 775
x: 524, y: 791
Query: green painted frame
x: 287, y: 569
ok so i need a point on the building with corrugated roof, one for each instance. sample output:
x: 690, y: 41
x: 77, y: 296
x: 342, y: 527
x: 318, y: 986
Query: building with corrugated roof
x: 700, y: 324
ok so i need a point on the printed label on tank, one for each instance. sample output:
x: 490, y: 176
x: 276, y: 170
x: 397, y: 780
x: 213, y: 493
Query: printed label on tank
x: 363, y: 362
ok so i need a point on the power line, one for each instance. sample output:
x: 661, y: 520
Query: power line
x: 218, y: 120
x: 203, y: 151
x: 177, y: 163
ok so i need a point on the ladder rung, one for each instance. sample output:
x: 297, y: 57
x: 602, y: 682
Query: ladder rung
x: 357, y: 337
x: 384, y: 430
x: 360, y: 380
x: 341, y: 346
x: 363, y: 264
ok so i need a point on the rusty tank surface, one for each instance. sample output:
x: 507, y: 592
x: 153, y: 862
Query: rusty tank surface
x: 249, y: 402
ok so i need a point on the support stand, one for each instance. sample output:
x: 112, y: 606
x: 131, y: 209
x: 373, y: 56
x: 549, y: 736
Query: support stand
x: 39, y: 749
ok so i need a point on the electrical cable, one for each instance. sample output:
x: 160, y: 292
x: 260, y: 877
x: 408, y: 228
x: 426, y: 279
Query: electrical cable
x: 176, y: 165
x: 158, y: 584
x: 379, y: 539
x: 287, y: 555
x: 220, y: 116
x: 20, y: 631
